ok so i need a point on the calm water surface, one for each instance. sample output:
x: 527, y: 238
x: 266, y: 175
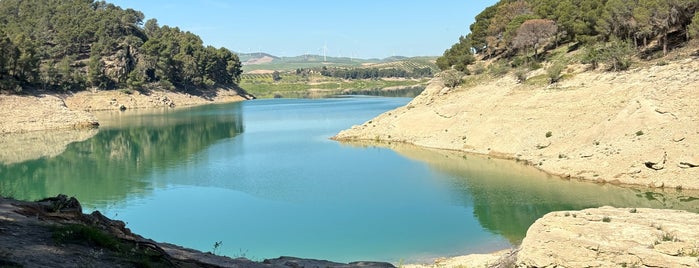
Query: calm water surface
x: 263, y: 178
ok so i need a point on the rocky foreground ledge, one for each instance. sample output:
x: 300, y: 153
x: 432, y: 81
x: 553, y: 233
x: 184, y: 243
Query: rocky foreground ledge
x: 54, y: 232
x: 599, y: 237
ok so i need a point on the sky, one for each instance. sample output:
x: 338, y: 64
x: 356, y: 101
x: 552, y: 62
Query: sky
x: 346, y: 28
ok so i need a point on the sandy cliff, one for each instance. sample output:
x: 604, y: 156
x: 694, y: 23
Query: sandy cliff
x: 637, y: 127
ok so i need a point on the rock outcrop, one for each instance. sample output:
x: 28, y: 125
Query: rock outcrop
x: 638, y: 127
x: 612, y: 237
x: 598, y: 237
x: 54, y: 232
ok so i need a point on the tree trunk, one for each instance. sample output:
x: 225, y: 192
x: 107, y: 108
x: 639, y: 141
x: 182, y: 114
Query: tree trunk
x: 665, y: 43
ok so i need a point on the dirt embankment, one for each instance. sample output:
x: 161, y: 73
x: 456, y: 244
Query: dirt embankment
x: 114, y: 100
x: 638, y: 127
x: 41, y: 112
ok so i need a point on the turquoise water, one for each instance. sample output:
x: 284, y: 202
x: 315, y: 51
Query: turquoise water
x: 263, y: 178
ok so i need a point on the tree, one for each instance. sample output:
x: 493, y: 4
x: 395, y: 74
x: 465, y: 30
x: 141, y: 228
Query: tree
x: 533, y: 33
x: 617, y: 19
x: 276, y: 76
x: 458, y: 56
x: 693, y: 29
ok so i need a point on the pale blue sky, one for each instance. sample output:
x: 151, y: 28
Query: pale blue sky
x: 355, y: 28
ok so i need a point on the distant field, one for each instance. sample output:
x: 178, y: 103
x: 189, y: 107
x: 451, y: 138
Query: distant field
x: 310, y: 83
x: 295, y: 86
x: 317, y: 61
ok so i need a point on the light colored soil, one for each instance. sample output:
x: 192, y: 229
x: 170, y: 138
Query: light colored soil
x: 260, y: 72
x: 41, y: 112
x: 639, y: 127
x: 113, y: 100
x: 262, y: 60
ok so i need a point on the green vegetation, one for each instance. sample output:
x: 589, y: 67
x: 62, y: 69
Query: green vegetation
x: 78, y: 233
x: 75, y: 44
x: 321, y: 80
x: 136, y: 253
x: 639, y: 133
x: 606, y: 219
x: 526, y: 32
x: 293, y: 85
x: 452, y: 78
x: 549, y: 134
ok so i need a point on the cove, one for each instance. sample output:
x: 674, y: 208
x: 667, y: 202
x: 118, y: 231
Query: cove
x: 263, y: 178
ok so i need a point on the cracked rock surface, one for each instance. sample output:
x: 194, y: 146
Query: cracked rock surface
x: 612, y: 237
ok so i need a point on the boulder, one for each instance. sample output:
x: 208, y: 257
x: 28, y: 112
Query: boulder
x: 612, y: 237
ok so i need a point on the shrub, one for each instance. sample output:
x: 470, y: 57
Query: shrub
x: 549, y: 134
x: 606, y: 219
x: 521, y: 75
x: 452, y: 78
x: 639, y: 133
x: 479, y: 68
x: 554, y: 72
x: 498, y: 69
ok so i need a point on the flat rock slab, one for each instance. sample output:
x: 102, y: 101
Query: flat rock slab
x: 612, y: 237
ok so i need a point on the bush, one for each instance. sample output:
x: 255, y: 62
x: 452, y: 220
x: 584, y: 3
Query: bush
x: 521, y: 75
x: 479, y: 68
x: 616, y: 54
x: 498, y: 69
x: 554, y: 72
x: 452, y: 78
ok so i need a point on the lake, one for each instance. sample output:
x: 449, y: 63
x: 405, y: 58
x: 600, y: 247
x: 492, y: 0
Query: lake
x: 263, y: 178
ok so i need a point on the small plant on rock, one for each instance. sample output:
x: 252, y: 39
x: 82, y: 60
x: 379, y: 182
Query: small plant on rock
x: 217, y: 245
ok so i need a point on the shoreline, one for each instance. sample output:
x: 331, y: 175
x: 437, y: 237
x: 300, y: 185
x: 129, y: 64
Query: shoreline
x: 617, y: 128
x: 47, y: 111
x: 55, y: 232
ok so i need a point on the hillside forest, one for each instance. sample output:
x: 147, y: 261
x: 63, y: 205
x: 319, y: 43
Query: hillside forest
x: 606, y: 32
x: 78, y: 44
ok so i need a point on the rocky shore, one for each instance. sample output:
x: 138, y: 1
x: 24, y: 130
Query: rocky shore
x: 49, y: 111
x: 54, y: 232
x: 598, y: 237
x: 638, y: 127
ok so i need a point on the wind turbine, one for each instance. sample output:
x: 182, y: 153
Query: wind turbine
x: 325, y: 52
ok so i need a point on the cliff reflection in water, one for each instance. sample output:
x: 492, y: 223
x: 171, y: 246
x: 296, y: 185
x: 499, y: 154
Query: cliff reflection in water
x: 507, y: 197
x: 128, y: 149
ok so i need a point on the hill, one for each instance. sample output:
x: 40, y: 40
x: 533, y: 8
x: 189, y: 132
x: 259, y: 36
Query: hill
x: 634, y: 127
x: 73, y: 45
x: 265, y: 61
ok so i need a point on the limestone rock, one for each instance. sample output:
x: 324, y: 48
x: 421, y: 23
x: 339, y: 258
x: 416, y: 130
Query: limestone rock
x: 612, y: 237
x: 658, y: 163
x: 689, y: 162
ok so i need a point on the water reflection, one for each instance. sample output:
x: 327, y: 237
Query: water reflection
x: 507, y: 197
x: 117, y: 162
x: 20, y: 147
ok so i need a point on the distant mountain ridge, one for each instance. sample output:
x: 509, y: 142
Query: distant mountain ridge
x: 266, y: 61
